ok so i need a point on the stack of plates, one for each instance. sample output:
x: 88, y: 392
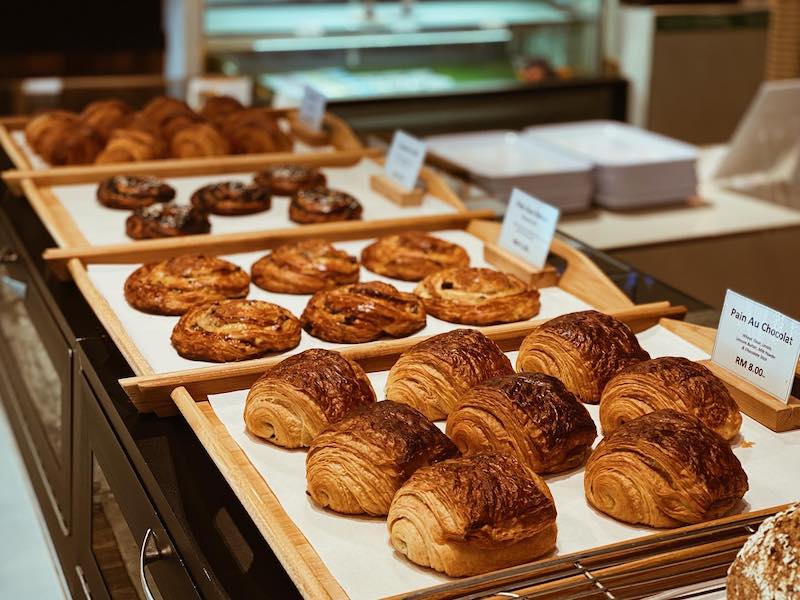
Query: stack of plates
x: 633, y: 167
x: 499, y: 161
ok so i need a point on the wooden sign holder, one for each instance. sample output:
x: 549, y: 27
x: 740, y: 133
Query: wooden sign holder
x: 395, y: 192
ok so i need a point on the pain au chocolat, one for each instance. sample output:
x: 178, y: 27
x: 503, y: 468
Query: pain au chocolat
x: 583, y: 349
x: 357, y: 464
x: 467, y: 516
x: 664, y: 469
x: 305, y: 267
x: 434, y: 375
x: 669, y: 382
x: 412, y: 255
x: 295, y: 400
x: 530, y: 415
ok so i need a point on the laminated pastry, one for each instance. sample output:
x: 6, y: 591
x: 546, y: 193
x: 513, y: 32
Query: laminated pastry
x: 231, y: 330
x: 162, y: 109
x: 530, y: 415
x: 664, y: 469
x: 472, y: 515
x: 412, y: 255
x: 287, y: 180
x: 583, y: 349
x: 167, y: 219
x: 104, y: 116
x: 323, y: 205
x: 295, y: 400
x: 217, y: 108
x: 61, y: 138
x: 252, y: 131
x: 45, y: 129
x: 669, y: 382
x: 196, y: 140
x: 304, y: 268
x: 131, y: 145
x: 356, y: 465
x: 232, y: 198
x: 173, y: 286
x: 130, y: 192
x: 474, y: 296
x: 768, y: 565
x: 435, y: 374
x: 362, y: 312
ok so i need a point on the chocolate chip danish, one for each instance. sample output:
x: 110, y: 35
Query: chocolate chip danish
x: 323, y: 205
x: 304, y: 268
x: 287, y: 180
x: 167, y: 219
x: 133, y: 191
x: 412, y: 255
x: 232, y: 198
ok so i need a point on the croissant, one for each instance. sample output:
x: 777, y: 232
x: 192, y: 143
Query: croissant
x: 467, y: 516
x: 131, y: 145
x: 217, y: 108
x: 200, y: 139
x: 357, y: 465
x: 48, y: 125
x: 583, y: 349
x: 161, y: 109
x: 434, y: 375
x: 252, y: 131
x: 104, y: 116
x: 73, y: 145
x: 297, y: 398
x: 664, y: 469
x: 669, y: 382
x: 530, y: 415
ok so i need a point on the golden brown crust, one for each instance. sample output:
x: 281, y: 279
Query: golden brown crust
x: 304, y: 268
x: 583, y: 349
x: 474, y: 296
x: 669, y: 382
x: 297, y: 398
x: 362, y: 312
x: 129, y: 192
x: 530, y: 415
x: 232, y: 198
x: 231, y: 330
x: 412, y: 255
x: 323, y: 205
x: 436, y: 373
x: 162, y: 109
x: 287, y: 180
x: 131, y: 145
x: 104, y: 116
x: 48, y: 126
x: 61, y: 138
x: 252, y: 131
x: 357, y: 465
x: 664, y: 469
x: 196, y: 140
x: 167, y: 219
x: 173, y: 286
x: 217, y: 108
x: 472, y: 515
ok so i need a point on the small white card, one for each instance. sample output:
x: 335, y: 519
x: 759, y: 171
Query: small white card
x: 528, y: 227
x: 42, y: 86
x: 201, y: 89
x: 758, y: 344
x: 406, y: 155
x: 312, y: 108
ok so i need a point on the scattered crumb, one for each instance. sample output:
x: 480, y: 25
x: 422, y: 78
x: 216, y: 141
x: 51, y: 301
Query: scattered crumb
x: 747, y: 444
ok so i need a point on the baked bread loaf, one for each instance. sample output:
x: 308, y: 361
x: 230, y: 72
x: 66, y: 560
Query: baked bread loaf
x: 295, y: 400
x: 530, y: 415
x: 362, y: 312
x: 217, y: 108
x: 669, y: 382
x: 434, y: 375
x: 252, y: 131
x: 467, y: 516
x: 167, y: 219
x: 356, y: 465
x: 323, y: 205
x: 287, y: 180
x: 412, y: 255
x: 583, y: 349
x: 664, y: 469
x: 130, y: 192
x: 104, y: 116
x: 304, y: 268
x: 768, y: 565
x: 173, y: 286
x: 131, y: 145
x: 475, y: 296
x: 232, y: 198
x: 196, y: 140
x: 231, y: 330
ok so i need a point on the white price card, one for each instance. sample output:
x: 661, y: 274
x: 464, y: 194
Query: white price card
x: 758, y: 344
x: 528, y: 227
x: 42, y: 86
x: 202, y: 88
x: 312, y: 108
x: 406, y: 155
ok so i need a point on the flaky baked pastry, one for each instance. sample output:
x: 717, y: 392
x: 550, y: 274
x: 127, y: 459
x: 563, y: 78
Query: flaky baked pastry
x: 61, y: 138
x: 669, y: 382
x: 287, y: 180
x: 304, y: 268
x: 583, y: 349
x: 435, y: 374
x: 768, y: 565
x: 162, y: 109
x: 323, y: 205
x: 475, y: 296
x: 167, y: 219
x: 231, y: 330
x: 467, y: 516
x: 295, y: 400
x: 217, y: 108
x: 252, y: 131
x: 130, y: 192
x: 131, y: 145
x: 232, y: 198
x: 104, y: 116
x: 196, y: 140
x: 664, y: 469
x: 356, y: 465
x: 530, y: 415
x: 173, y: 286
x: 412, y: 255
x: 48, y: 126
x: 362, y: 312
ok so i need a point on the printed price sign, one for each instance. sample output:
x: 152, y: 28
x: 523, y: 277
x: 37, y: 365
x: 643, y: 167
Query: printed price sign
x: 406, y: 155
x: 758, y: 344
x: 202, y: 88
x: 528, y: 227
x: 312, y: 108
